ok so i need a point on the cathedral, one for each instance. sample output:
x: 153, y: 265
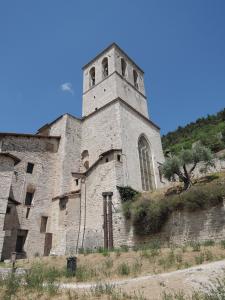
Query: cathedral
x: 59, y: 187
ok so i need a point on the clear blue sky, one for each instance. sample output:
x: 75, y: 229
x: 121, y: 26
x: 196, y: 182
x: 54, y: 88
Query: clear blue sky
x: 180, y: 44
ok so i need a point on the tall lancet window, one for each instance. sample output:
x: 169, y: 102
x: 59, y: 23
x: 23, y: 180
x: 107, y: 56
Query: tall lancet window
x: 135, y: 75
x: 92, y: 76
x: 105, y: 67
x: 123, y: 67
x: 147, y: 176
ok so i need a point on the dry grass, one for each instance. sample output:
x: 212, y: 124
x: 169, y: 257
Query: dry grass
x: 97, y: 267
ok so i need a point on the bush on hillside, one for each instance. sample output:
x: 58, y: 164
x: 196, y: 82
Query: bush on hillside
x: 148, y: 215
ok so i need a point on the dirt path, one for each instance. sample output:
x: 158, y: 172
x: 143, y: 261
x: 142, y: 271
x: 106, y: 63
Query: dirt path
x: 152, y: 286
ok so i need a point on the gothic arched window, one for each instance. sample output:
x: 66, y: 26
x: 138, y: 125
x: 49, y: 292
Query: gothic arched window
x: 92, y: 76
x: 135, y: 75
x: 123, y: 67
x: 147, y: 176
x: 105, y: 67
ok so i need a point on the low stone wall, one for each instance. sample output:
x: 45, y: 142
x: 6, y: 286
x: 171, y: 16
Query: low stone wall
x: 184, y: 226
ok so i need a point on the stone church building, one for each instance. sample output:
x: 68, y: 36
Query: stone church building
x: 58, y: 187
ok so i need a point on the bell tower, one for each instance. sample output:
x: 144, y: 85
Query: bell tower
x: 110, y: 75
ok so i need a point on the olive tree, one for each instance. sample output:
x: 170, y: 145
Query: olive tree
x: 183, y: 164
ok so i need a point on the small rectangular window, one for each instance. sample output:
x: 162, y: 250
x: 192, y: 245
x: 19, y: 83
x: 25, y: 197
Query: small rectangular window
x: 77, y: 182
x: 118, y: 157
x: 29, y: 198
x: 106, y: 160
x: 28, y: 212
x: 8, y: 210
x: 30, y: 168
x: 44, y: 221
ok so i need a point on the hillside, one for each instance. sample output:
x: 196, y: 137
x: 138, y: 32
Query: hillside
x: 209, y: 130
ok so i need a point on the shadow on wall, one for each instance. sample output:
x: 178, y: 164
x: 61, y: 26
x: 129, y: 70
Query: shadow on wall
x: 14, y: 237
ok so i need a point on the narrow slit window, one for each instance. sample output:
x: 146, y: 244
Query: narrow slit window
x: 77, y: 182
x: 44, y: 221
x: 27, y: 212
x: 29, y: 198
x: 30, y: 168
x: 118, y: 157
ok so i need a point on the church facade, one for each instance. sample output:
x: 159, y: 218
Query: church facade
x: 58, y: 187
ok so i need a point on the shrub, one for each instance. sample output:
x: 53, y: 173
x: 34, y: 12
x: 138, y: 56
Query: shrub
x: 148, y: 215
x: 127, y: 193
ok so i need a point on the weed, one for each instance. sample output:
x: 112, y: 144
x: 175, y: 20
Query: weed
x: 118, y: 252
x: 12, y: 284
x: 171, y: 258
x: 102, y: 289
x: 222, y: 244
x: 187, y: 265
x: 145, y: 254
x: 106, y: 253
x: 196, y: 247
x: 208, y: 255
x: 176, y: 296
x: 199, y: 259
x: 84, y: 273
x: 208, y: 243
x: 179, y: 258
x: 124, y: 269
x: 34, y: 278
x: 108, y: 263
x: 124, y: 248
x: 88, y: 251
x: 136, y: 267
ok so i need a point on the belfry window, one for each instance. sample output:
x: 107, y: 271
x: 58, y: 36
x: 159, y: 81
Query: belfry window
x: 135, y: 75
x: 105, y: 67
x: 145, y: 158
x: 123, y: 67
x: 92, y: 76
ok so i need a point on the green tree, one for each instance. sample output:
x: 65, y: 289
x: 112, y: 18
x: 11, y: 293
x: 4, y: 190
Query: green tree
x: 185, y: 163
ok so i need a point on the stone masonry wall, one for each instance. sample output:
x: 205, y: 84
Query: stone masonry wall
x: 6, y: 169
x: 132, y: 127
x: 183, y: 227
x: 42, y: 153
x: 101, y: 132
